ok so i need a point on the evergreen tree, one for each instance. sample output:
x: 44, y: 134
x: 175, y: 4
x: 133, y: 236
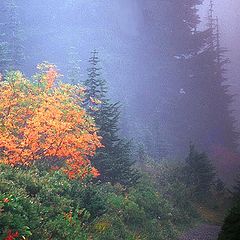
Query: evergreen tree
x: 170, y: 28
x: 203, y: 110
x: 231, y: 226
x: 114, y: 160
x: 73, y: 70
x: 11, y: 45
x: 219, y: 185
x: 189, y: 98
x: 96, y: 89
x: 199, y: 173
x: 236, y: 189
x: 217, y: 126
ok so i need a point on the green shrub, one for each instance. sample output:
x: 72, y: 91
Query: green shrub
x: 37, y: 201
x: 231, y: 226
x: 41, y: 204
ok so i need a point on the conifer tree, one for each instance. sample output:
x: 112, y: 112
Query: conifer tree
x: 189, y: 98
x: 219, y: 185
x: 210, y: 70
x: 231, y: 226
x: 206, y: 104
x: 114, y: 160
x: 236, y: 189
x: 170, y: 49
x: 96, y: 89
x: 11, y: 45
x: 199, y: 173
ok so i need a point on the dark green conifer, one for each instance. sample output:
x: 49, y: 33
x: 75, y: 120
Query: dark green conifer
x: 236, y: 188
x: 114, y: 160
x: 189, y: 100
x: 231, y: 226
x: 219, y: 185
x: 199, y: 173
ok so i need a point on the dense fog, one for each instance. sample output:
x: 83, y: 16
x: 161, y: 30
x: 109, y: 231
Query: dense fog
x: 119, y: 119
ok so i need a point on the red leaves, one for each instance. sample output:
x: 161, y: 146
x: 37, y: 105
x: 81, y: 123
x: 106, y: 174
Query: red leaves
x: 6, y: 200
x: 12, y: 235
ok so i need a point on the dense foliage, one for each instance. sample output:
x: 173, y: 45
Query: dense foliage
x: 194, y: 190
x: 236, y: 189
x: 45, y: 133
x: 65, y: 170
x: 231, y: 226
x: 39, y: 204
x: 199, y: 173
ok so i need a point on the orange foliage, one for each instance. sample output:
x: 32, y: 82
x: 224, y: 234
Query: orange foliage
x: 41, y: 121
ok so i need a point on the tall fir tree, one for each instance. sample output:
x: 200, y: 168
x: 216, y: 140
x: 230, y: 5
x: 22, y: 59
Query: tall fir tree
x: 170, y: 28
x: 209, y: 111
x: 199, y: 173
x: 189, y: 98
x: 236, y: 188
x: 231, y: 227
x: 11, y: 44
x: 114, y: 160
x: 217, y: 127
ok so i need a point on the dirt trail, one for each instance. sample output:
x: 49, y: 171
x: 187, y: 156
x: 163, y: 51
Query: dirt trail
x: 202, y: 232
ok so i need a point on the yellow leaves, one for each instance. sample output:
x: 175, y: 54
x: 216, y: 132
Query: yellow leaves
x: 102, y: 225
x: 95, y: 100
x: 38, y: 123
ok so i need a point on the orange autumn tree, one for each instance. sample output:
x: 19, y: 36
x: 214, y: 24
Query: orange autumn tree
x: 43, y: 120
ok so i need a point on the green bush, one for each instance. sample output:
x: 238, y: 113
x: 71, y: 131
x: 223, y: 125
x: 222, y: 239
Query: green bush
x: 231, y: 226
x: 40, y: 204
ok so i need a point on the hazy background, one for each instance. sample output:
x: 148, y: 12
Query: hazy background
x: 112, y: 27
x: 129, y: 34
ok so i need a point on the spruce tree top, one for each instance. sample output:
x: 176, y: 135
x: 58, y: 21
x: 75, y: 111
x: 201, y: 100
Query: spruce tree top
x: 95, y: 86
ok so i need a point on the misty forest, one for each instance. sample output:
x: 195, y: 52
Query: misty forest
x: 119, y: 120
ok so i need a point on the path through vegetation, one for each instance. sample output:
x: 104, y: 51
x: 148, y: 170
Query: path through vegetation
x: 202, y: 232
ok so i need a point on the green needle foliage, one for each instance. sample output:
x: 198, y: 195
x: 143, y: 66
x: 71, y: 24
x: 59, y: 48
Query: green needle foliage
x: 199, y: 173
x: 231, y: 226
x: 114, y: 160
